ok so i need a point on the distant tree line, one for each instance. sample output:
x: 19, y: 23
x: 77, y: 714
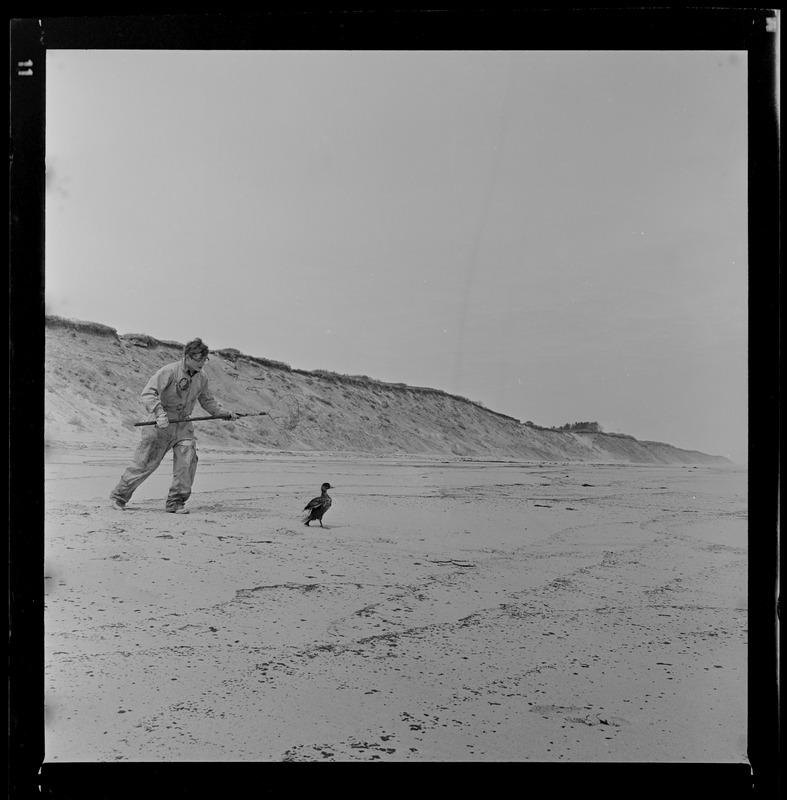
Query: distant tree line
x: 595, y: 427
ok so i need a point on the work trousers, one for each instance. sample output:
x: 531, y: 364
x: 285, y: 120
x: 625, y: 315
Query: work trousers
x: 154, y: 445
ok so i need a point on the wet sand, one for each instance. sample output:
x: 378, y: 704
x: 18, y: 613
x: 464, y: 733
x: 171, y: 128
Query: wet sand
x: 449, y: 611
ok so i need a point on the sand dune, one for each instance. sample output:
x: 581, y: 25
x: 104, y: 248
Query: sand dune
x: 452, y: 610
x: 94, y: 378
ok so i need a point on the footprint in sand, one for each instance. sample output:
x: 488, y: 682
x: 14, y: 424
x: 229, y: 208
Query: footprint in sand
x: 576, y: 716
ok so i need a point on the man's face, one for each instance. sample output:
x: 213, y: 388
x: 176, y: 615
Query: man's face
x: 195, y: 362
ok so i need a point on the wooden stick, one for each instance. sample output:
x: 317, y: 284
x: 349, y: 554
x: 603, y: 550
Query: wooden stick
x: 200, y: 419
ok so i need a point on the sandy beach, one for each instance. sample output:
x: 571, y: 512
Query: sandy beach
x: 450, y: 610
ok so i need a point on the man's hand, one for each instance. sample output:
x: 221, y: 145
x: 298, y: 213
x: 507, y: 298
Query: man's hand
x: 162, y: 421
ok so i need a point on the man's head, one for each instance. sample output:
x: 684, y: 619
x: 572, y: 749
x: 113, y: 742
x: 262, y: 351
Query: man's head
x: 195, y: 354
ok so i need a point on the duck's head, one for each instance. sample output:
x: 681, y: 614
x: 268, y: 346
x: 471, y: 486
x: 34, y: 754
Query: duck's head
x: 327, y: 486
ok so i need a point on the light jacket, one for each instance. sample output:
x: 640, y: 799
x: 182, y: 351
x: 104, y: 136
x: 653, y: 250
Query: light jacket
x: 174, y: 390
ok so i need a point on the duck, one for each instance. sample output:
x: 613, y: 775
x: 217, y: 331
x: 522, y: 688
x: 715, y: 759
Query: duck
x: 318, y: 505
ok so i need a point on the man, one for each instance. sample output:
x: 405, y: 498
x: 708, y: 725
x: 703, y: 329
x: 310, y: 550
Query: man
x: 170, y: 396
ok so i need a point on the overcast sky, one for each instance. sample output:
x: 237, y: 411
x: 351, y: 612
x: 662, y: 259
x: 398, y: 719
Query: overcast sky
x: 561, y: 236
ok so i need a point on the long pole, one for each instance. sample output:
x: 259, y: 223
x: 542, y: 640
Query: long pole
x: 200, y: 419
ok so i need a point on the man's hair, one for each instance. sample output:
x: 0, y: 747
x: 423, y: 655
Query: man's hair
x: 196, y: 347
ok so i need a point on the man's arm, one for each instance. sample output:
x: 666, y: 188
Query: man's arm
x: 211, y: 404
x: 151, y: 395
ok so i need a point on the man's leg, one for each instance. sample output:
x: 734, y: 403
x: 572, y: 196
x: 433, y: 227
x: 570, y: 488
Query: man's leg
x: 184, y: 468
x: 152, y: 448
